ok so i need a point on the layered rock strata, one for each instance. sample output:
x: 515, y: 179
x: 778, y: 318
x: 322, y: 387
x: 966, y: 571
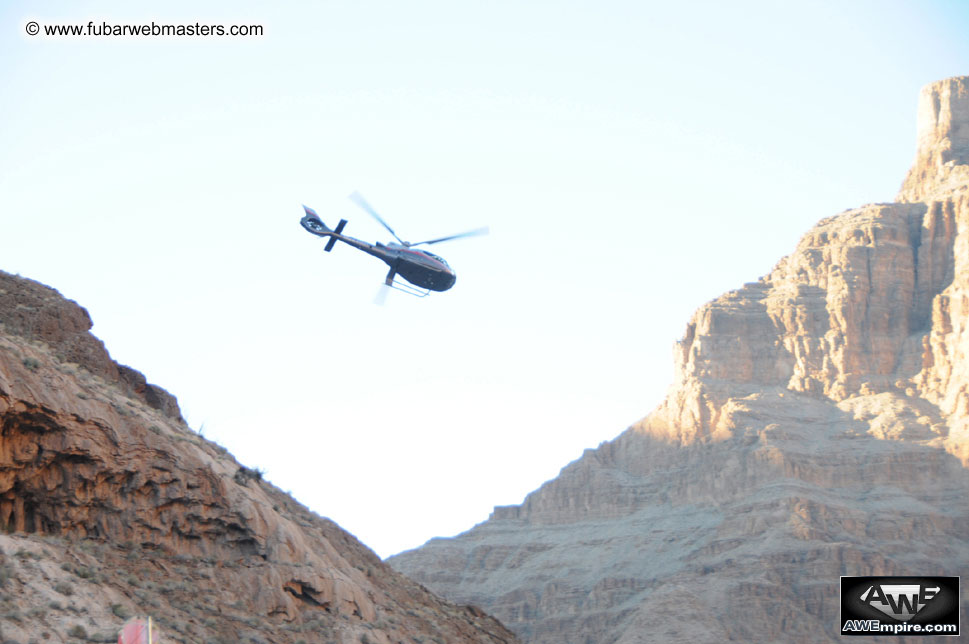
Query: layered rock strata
x: 113, y: 507
x: 817, y: 426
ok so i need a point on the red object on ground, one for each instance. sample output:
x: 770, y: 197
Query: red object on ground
x: 136, y: 631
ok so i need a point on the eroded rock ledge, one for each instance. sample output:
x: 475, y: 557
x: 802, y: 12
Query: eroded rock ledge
x: 34, y: 311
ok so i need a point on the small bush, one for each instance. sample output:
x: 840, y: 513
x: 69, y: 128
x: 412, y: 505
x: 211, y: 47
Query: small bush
x: 77, y: 631
x: 31, y: 363
x: 246, y: 474
x: 120, y: 611
x: 64, y: 588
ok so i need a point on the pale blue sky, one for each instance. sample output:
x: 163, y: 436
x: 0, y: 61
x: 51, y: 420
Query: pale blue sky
x: 632, y: 159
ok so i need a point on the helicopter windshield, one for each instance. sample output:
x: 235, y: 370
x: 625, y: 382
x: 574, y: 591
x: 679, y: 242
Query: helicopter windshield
x: 433, y: 256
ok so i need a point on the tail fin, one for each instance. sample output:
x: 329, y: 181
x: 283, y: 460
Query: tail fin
x: 312, y: 223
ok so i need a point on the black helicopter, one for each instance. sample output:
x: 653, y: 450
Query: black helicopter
x: 422, y: 269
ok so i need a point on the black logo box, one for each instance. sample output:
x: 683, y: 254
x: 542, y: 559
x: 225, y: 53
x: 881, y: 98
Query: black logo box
x: 943, y: 608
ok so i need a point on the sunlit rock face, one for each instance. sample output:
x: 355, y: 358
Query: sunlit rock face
x: 110, y: 506
x: 817, y: 426
x: 942, y: 158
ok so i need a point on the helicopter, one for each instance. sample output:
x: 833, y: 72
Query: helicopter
x: 423, y: 270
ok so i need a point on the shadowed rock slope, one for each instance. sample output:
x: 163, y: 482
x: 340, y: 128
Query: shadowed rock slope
x: 817, y: 426
x: 111, y: 507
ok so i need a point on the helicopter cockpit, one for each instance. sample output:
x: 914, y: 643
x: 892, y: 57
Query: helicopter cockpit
x: 433, y: 256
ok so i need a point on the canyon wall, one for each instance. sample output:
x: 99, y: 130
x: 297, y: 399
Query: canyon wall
x: 817, y: 426
x: 112, y: 507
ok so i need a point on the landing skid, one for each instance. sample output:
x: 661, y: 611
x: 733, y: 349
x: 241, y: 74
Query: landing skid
x: 410, y: 289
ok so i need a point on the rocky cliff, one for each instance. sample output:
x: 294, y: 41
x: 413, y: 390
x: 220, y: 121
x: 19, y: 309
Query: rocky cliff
x: 817, y: 426
x: 111, y: 507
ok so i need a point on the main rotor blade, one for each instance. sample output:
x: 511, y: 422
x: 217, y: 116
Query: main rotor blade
x: 381, y: 298
x: 470, y: 233
x: 360, y: 201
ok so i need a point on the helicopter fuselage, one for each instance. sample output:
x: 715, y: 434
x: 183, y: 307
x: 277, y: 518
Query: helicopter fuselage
x: 419, y: 267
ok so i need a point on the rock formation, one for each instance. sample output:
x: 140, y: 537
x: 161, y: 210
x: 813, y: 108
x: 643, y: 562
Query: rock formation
x: 111, y: 507
x: 817, y: 426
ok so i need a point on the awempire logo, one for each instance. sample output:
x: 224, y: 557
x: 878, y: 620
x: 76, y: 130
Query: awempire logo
x: 899, y: 606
